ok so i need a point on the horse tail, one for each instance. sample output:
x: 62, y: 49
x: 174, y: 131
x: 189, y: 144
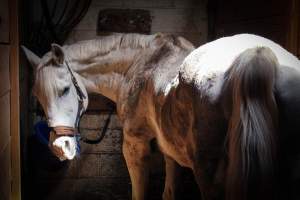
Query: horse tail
x: 252, y: 125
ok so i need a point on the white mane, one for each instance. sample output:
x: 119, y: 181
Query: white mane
x: 89, y: 49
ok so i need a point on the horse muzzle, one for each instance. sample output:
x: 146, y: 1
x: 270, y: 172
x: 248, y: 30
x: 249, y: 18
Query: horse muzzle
x: 62, y: 142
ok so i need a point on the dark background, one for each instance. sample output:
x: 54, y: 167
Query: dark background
x: 100, y: 172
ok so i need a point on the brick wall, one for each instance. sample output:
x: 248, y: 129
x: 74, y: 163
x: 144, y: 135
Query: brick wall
x: 100, y: 171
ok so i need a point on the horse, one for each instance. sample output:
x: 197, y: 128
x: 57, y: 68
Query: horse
x: 219, y: 110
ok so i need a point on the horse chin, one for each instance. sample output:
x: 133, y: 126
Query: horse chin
x: 64, y: 147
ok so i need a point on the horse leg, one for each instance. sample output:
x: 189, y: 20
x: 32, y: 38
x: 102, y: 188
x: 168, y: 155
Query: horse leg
x: 172, y: 177
x: 207, y: 175
x: 136, y: 153
x: 205, y: 186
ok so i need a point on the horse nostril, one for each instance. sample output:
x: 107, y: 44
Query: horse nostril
x: 67, y: 144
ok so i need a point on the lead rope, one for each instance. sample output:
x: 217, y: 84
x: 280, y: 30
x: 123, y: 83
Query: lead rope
x: 79, y: 115
x: 100, y: 135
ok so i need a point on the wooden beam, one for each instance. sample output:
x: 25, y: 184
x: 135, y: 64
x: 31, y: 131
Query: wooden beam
x: 4, y: 21
x: 298, y: 16
x: 293, y: 32
x: 15, y: 105
x: 4, y: 69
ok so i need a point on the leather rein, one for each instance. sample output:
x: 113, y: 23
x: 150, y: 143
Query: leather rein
x: 68, y: 131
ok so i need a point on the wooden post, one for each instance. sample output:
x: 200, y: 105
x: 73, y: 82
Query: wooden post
x: 15, y: 105
x: 293, y: 32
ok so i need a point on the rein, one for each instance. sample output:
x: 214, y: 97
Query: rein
x: 63, y: 131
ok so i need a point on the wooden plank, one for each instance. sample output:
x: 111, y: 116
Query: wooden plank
x: 298, y: 54
x: 236, y: 10
x: 271, y: 19
x: 273, y: 28
x: 4, y: 21
x: 124, y: 21
x: 14, y: 103
x: 298, y: 16
x: 144, y: 4
x: 5, y: 172
x: 4, y: 122
x: 293, y: 29
x: 4, y: 69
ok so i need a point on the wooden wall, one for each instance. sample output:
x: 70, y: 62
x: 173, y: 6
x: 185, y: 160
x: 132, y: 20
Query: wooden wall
x: 9, y: 118
x: 268, y: 18
x: 293, y: 34
x: 5, y: 141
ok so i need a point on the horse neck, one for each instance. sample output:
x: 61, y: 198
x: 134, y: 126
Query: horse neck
x: 106, y: 74
x: 94, y: 51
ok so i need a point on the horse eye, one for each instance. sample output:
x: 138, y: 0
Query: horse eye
x: 65, y: 91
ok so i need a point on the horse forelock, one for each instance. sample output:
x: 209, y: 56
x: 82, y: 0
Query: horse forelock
x: 49, y: 80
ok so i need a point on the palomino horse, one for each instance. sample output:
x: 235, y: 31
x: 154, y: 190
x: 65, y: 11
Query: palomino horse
x: 216, y: 110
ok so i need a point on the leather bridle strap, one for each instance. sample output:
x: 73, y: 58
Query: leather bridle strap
x: 63, y: 131
x: 100, y: 135
x: 75, y: 83
x: 80, y: 94
x: 80, y: 108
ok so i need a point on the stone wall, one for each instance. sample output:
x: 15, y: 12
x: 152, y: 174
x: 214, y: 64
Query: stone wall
x: 100, y: 171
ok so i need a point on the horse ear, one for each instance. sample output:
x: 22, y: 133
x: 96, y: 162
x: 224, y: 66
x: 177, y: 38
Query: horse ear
x: 57, y: 53
x: 32, y: 58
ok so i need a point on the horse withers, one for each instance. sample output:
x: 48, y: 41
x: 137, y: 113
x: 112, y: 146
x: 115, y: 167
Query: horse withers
x: 216, y: 109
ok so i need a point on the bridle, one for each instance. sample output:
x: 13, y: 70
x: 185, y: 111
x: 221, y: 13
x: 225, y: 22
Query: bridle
x: 80, y: 110
x: 79, y: 94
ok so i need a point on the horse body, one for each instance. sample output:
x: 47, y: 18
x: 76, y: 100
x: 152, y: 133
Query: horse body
x: 190, y: 119
x: 193, y: 106
x: 165, y: 90
x: 205, y: 69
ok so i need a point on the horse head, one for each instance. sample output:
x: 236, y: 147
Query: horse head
x: 63, y: 97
